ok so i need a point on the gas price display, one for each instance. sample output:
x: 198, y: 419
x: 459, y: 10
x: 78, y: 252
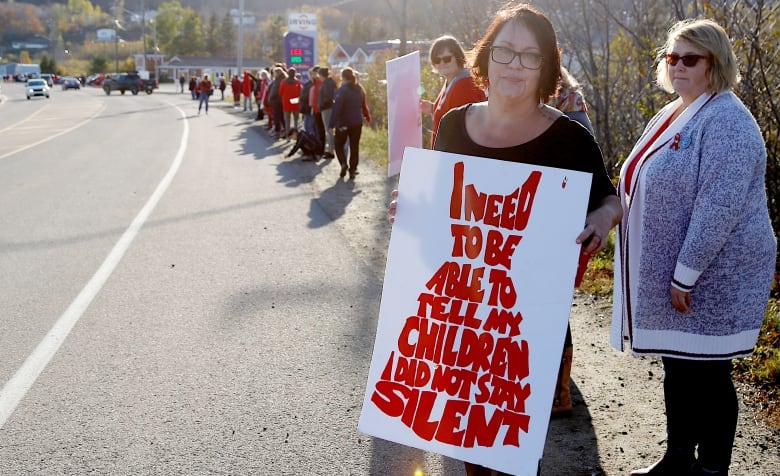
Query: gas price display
x: 299, y: 50
x: 296, y: 55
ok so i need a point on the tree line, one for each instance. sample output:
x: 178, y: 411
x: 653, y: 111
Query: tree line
x: 611, y: 47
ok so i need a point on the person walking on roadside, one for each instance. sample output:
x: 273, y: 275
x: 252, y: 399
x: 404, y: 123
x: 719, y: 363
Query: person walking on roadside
x: 193, y: 87
x: 695, y: 251
x: 326, y: 96
x: 459, y: 88
x: 182, y: 80
x: 349, y: 109
x: 222, y: 86
x: 290, y: 91
x: 205, y: 90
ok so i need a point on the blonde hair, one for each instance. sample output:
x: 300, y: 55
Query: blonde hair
x: 710, y: 37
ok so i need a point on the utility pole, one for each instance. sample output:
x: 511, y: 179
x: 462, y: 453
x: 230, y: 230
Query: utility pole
x: 143, y: 31
x: 240, y: 46
x: 116, y: 44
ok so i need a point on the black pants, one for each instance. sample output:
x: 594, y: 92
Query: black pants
x: 320, y: 127
x: 278, y: 116
x: 701, y: 409
x: 352, y: 134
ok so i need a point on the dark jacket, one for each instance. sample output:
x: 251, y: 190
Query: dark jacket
x: 348, y: 106
x: 303, y: 100
x: 273, y: 92
x: 327, y: 94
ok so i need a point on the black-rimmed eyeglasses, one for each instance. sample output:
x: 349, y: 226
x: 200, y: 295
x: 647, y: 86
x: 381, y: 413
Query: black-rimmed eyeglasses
x: 504, y: 55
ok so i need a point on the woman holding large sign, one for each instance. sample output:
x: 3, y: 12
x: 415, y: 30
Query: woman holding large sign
x: 518, y: 60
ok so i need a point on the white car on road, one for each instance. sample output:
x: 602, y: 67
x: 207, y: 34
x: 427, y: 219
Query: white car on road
x: 37, y: 87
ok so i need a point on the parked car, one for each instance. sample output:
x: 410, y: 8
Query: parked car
x: 70, y: 83
x: 37, y: 87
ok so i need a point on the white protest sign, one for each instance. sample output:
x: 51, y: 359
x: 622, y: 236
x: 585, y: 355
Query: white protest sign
x: 477, y: 293
x: 404, y: 123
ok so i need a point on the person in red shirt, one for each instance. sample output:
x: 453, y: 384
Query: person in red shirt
x: 246, y: 89
x: 235, y: 87
x: 290, y: 91
x: 204, y: 91
x: 449, y: 60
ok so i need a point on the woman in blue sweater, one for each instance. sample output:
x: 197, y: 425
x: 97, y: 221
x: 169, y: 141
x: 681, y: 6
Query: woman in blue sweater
x: 695, y: 253
x: 349, y: 108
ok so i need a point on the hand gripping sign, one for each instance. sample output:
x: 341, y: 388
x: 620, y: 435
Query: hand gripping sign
x: 477, y: 293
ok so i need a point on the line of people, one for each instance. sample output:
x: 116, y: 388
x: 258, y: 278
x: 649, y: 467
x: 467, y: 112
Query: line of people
x: 325, y: 118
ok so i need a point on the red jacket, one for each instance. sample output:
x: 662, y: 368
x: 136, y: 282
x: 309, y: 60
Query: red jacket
x: 246, y: 85
x: 290, y: 89
x: 461, y: 91
x: 204, y: 86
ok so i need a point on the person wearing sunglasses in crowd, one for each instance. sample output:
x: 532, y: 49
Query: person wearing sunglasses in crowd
x: 695, y: 252
x: 449, y: 60
x: 518, y: 58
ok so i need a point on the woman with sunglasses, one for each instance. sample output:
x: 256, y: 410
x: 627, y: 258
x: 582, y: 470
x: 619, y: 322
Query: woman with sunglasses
x: 695, y: 251
x: 519, y: 59
x: 449, y: 60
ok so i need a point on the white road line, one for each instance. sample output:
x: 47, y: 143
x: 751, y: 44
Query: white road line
x: 50, y: 137
x: 17, y: 387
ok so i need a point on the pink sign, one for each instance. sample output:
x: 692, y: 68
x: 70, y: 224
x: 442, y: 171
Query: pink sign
x: 404, y: 123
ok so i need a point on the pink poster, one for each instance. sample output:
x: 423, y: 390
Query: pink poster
x: 477, y: 293
x: 404, y: 123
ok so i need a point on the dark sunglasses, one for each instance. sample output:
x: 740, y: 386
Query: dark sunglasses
x: 445, y: 59
x: 689, y: 61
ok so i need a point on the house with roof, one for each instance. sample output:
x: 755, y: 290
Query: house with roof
x: 358, y: 57
x: 189, y: 66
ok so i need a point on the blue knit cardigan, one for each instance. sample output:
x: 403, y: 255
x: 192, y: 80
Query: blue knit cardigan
x: 705, y: 224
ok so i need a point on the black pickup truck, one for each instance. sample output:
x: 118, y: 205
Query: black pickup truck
x: 128, y: 82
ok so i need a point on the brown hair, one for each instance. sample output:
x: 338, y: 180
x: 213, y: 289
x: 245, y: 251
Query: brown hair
x: 542, y: 30
x: 348, y: 74
x: 448, y: 42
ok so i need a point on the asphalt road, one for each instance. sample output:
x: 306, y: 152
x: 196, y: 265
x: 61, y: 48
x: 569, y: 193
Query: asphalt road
x: 174, y: 300
x: 178, y: 298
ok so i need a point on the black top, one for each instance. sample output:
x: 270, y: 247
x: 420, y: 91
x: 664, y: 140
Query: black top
x: 564, y: 145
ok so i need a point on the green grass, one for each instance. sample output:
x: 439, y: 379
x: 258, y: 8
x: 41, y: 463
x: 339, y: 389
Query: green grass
x: 373, y: 145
